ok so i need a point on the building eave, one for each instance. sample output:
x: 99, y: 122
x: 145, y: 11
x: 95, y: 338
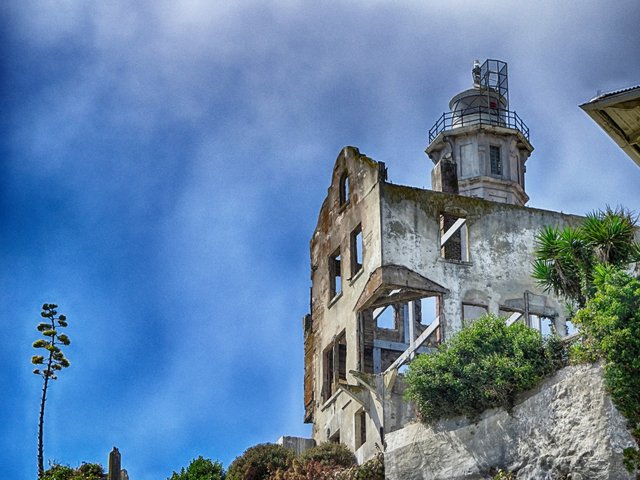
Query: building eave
x: 618, y: 114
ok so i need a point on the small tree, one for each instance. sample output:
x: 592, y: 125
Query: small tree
x: 51, y: 363
x: 200, y: 469
x: 260, y: 462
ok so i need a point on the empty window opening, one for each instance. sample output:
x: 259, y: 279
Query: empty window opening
x: 426, y: 311
x: 334, y: 366
x: 335, y: 275
x: 429, y: 309
x: 335, y: 438
x: 495, y: 159
x: 570, y: 327
x: 471, y: 312
x: 535, y: 322
x: 342, y: 360
x: 360, y: 428
x: 356, y: 250
x: 387, y: 317
x: 327, y: 389
x: 547, y: 327
x: 367, y: 359
x: 387, y: 357
x: 454, y: 238
x: 344, y: 189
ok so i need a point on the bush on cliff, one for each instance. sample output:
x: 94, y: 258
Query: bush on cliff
x: 483, y: 366
x: 610, y: 329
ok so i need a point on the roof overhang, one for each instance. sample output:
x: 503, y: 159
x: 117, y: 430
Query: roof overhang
x: 395, y: 284
x: 618, y: 114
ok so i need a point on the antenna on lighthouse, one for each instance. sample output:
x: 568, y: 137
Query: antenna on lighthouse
x: 476, y: 73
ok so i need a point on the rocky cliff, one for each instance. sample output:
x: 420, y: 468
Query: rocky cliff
x: 567, y: 428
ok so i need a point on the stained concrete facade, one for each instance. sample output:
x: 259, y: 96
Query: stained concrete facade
x: 350, y: 376
x: 395, y: 270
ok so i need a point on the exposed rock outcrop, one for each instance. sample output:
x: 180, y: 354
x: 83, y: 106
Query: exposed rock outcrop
x: 567, y: 428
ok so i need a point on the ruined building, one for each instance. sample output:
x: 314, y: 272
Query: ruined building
x: 395, y: 269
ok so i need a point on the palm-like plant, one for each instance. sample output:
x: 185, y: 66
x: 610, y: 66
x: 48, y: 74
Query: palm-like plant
x: 565, y: 259
x: 610, y: 234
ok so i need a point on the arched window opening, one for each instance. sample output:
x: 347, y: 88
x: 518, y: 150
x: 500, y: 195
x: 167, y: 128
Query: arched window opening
x: 344, y: 189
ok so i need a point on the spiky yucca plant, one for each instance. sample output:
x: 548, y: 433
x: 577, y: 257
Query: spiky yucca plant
x: 565, y: 260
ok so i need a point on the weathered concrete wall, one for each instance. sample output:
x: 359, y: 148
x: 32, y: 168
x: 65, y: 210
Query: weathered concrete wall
x: 500, y: 245
x: 296, y: 444
x: 330, y: 317
x: 566, y: 429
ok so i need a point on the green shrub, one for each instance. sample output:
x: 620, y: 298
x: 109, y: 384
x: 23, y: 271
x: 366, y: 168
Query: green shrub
x: 259, y: 462
x: 58, y: 472
x: 86, y: 471
x: 483, y: 366
x: 330, y: 454
x: 583, y: 351
x: 200, y: 469
x: 371, y: 470
x: 89, y: 471
x: 314, y: 470
x: 610, y: 322
x: 503, y: 475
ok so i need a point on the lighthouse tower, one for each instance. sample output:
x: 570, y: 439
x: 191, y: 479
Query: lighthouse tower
x: 479, y: 148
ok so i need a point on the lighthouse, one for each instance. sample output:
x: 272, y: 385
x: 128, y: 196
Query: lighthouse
x: 479, y: 147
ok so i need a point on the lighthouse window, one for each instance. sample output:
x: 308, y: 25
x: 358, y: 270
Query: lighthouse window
x: 496, y: 160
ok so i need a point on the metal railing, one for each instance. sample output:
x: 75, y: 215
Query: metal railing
x: 479, y: 116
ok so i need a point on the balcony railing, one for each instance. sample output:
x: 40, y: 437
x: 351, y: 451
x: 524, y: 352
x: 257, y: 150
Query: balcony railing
x: 497, y: 117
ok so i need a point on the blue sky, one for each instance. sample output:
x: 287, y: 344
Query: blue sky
x: 163, y: 164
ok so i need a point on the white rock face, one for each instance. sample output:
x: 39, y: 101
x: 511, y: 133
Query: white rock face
x: 566, y: 429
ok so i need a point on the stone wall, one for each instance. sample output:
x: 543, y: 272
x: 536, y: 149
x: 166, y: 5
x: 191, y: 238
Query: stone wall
x: 568, y: 428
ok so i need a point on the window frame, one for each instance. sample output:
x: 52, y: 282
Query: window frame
x: 356, y: 250
x: 344, y: 193
x: 335, y: 275
x: 495, y: 160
